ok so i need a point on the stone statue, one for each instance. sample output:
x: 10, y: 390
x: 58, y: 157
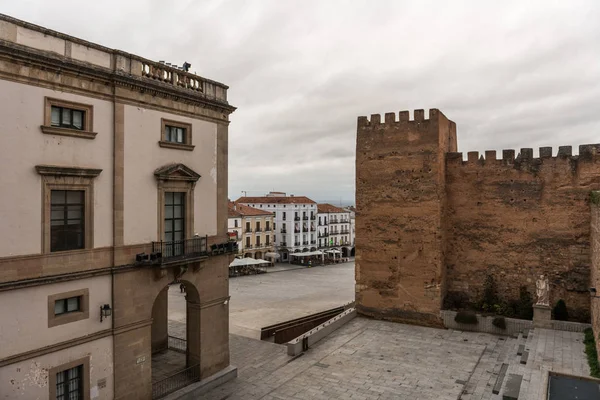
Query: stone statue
x: 543, y: 291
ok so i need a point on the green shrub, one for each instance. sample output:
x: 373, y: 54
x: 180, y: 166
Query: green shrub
x: 524, y: 307
x: 591, y: 352
x: 490, y: 295
x: 560, y: 311
x: 465, y: 317
x: 499, y: 322
x: 456, y: 301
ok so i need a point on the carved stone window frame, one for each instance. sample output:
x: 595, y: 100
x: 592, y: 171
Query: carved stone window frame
x: 88, y: 110
x: 84, y: 308
x: 176, y: 178
x: 67, y: 178
x: 85, y: 376
x: 187, y: 140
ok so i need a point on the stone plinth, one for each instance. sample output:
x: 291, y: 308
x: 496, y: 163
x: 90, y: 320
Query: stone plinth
x: 542, y: 317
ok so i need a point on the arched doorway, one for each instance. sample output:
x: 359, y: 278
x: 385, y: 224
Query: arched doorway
x: 249, y: 255
x: 304, y: 250
x: 345, y: 252
x: 313, y: 249
x: 176, y: 346
x: 352, y: 252
x: 257, y: 255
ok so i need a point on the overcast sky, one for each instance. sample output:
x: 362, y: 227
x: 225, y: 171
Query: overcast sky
x: 511, y: 74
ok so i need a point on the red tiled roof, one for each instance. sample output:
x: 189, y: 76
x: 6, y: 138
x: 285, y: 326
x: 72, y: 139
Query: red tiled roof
x: 328, y: 208
x: 231, y: 211
x: 276, y: 200
x: 247, y: 211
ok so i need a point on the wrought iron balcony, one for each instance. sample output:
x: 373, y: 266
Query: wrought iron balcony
x: 283, y: 230
x: 248, y: 230
x: 296, y: 218
x: 283, y: 244
x: 313, y: 242
x: 305, y: 243
x: 313, y: 217
x: 305, y: 217
x: 296, y: 230
x: 296, y: 243
x: 165, y: 252
x: 312, y: 229
x: 258, y: 229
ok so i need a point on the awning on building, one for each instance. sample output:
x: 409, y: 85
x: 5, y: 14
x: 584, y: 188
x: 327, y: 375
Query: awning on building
x: 274, y: 256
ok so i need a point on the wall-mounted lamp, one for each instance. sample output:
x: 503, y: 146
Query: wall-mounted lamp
x: 593, y: 292
x: 105, y: 311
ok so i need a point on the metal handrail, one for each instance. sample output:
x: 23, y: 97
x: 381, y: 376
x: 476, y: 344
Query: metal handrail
x: 175, y: 382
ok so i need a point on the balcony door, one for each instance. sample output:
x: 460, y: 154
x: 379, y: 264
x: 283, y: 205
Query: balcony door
x: 174, y: 223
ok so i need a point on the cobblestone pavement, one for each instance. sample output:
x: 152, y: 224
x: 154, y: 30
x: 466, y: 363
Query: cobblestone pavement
x: 262, y: 300
x: 367, y: 359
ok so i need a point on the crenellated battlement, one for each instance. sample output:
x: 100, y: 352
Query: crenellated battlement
x: 402, y: 117
x: 512, y: 158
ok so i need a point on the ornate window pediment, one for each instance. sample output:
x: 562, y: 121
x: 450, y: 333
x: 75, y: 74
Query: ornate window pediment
x: 176, y: 172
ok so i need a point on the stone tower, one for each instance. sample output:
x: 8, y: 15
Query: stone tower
x: 401, y: 205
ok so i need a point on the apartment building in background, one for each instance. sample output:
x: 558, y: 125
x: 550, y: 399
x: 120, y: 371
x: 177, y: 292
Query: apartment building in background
x: 295, y: 221
x: 334, y: 229
x: 257, y: 232
x: 115, y: 185
x: 234, y: 224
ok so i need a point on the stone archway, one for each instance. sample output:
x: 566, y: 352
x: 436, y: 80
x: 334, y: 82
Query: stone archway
x: 345, y: 252
x: 160, y: 339
x: 258, y: 255
x: 352, y: 252
x: 249, y: 255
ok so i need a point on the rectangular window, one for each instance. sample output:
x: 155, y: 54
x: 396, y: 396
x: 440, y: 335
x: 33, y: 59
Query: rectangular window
x: 248, y: 242
x: 175, y: 134
x: 258, y: 240
x: 235, y: 223
x: 267, y: 225
x: 248, y: 229
x: 174, y: 223
x: 64, y: 306
x: 257, y: 226
x: 67, y: 216
x: 64, y: 117
x: 267, y: 240
x: 69, y: 384
x: 284, y: 215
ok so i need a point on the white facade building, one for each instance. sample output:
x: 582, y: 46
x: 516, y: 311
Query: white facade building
x: 295, y: 221
x: 334, y: 230
x: 234, y: 225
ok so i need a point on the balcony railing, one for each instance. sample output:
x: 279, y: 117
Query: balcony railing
x: 283, y: 230
x: 296, y: 243
x: 175, y: 382
x: 187, y: 248
x: 305, y: 243
x: 248, y: 230
x: 305, y: 217
x: 283, y: 244
x: 258, y: 230
x: 296, y: 230
x: 296, y: 218
x: 312, y: 229
x: 313, y: 217
x: 313, y: 242
x: 258, y: 245
x: 248, y: 246
x: 177, y: 344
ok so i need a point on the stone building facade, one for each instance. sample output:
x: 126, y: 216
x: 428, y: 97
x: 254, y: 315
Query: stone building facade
x: 258, y: 233
x: 115, y: 185
x: 431, y: 227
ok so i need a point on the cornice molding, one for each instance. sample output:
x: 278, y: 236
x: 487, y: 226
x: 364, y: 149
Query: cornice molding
x: 57, y: 170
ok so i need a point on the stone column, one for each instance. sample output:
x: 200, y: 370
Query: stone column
x: 160, y: 310
x: 193, y: 334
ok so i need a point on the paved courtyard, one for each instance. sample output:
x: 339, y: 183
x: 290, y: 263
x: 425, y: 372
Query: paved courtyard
x: 266, y: 299
x: 368, y: 359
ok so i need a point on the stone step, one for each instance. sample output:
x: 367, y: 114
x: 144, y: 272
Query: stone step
x: 500, y: 379
x: 524, y: 357
x: 521, y: 349
x: 513, y: 387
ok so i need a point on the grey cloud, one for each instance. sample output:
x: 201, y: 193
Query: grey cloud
x: 511, y: 74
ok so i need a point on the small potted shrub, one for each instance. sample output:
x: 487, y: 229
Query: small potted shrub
x: 499, y: 322
x: 466, y: 317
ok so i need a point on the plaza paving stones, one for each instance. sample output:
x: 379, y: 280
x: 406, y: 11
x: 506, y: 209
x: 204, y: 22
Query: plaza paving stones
x: 369, y: 359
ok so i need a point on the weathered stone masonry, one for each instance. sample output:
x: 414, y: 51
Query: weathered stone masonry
x: 432, y: 225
